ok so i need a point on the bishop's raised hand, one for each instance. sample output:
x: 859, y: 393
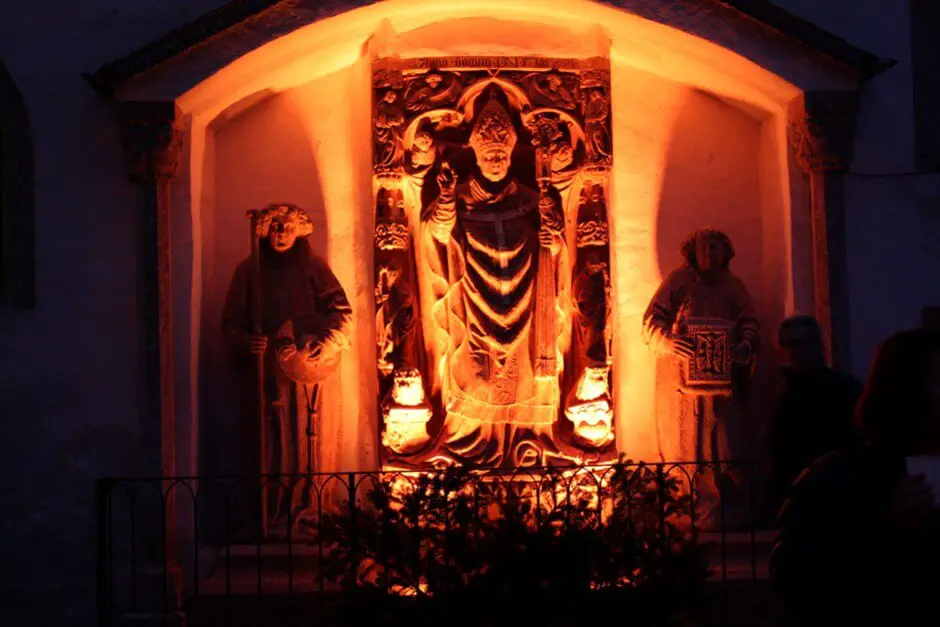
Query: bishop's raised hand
x: 446, y: 179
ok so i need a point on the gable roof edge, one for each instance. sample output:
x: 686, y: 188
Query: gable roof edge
x: 866, y: 64
x: 106, y: 79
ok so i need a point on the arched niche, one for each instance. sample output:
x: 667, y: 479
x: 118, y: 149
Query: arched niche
x: 699, y: 134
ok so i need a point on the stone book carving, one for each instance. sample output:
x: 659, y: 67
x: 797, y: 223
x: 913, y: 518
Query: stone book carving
x: 709, y: 367
x: 491, y: 244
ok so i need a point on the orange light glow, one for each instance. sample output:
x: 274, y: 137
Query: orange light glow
x: 316, y: 83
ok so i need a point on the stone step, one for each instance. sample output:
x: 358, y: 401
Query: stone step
x: 284, y: 569
x: 728, y: 604
x: 739, y: 555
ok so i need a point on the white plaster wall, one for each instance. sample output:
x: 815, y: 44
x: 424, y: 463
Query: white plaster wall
x: 68, y: 368
x: 893, y: 223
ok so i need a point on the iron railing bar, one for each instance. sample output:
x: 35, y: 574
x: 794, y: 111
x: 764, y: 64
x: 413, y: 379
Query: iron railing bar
x: 228, y: 552
x: 377, y: 473
x: 751, y: 524
x: 261, y: 526
x: 290, y: 551
x: 135, y: 592
x: 195, y: 544
x: 163, y: 570
x: 104, y: 563
x: 726, y: 586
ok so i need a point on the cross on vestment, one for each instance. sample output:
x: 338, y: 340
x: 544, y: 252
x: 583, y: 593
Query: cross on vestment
x: 497, y: 218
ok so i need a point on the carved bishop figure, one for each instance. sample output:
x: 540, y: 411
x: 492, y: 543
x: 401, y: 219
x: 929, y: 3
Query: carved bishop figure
x: 484, y: 237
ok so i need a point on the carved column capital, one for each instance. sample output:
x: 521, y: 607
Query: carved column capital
x: 152, y: 140
x: 821, y: 129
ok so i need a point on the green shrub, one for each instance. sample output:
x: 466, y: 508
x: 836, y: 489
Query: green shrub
x: 458, y: 547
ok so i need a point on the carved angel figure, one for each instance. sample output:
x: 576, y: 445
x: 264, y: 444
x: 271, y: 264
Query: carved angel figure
x: 431, y: 91
x: 550, y: 91
x: 388, y: 122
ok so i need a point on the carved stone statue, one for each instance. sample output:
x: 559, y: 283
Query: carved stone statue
x: 489, y: 229
x: 595, y: 106
x: 494, y: 158
x: 589, y: 405
x: 704, y: 328
x: 286, y: 307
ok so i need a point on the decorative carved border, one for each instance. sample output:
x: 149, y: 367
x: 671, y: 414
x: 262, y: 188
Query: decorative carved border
x: 17, y: 214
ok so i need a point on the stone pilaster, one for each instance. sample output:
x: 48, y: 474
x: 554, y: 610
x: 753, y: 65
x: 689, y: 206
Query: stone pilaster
x: 152, y: 142
x: 821, y: 135
x: 152, y: 145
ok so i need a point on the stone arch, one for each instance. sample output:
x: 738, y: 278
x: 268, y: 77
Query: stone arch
x: 17, y: 217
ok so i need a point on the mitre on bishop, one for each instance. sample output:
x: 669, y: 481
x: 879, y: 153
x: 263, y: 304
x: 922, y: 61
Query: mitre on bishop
x: 286, y: 213
x: 493, y: 129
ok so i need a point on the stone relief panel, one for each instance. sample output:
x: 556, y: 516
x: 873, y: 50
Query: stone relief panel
x: 492, y: 260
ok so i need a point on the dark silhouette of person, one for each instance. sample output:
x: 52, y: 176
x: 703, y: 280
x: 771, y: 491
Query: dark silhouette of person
x: 814, y: 413
x: 858, y: 538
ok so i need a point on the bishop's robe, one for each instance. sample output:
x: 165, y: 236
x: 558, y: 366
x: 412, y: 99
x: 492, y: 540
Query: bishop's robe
x: 484, y: 256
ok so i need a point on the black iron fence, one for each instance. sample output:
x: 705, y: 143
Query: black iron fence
x: 316, y: 549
